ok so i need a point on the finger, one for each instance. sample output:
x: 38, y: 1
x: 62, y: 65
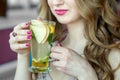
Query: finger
x: 20, y: 46
x: 20, y: 39
x: 59, y: 49
x: 62, y: 64
x: 21, y: 26
x: 24, y: 32
x: 61, y: 69
x: 39, y: 18
x: 57, y: 56
x: 21, y: 32
x: 11, y: 34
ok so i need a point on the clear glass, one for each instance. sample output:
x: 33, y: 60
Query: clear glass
x: 40, y: 56
x: 41, y: 51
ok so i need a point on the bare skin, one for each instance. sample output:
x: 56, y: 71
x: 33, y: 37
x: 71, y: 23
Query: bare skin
x: 72, y: 63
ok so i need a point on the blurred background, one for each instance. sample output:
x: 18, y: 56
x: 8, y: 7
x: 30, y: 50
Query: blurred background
x: 13, y: 12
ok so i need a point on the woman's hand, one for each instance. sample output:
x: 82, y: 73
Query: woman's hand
x: 69, y: 62
x: 20, y: 37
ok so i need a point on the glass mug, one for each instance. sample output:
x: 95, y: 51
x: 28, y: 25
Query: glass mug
x: 41, y: 50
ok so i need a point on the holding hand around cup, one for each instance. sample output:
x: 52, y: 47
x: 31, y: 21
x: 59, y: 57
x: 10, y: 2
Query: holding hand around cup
x: 69, y: 62
x: 20, y: 37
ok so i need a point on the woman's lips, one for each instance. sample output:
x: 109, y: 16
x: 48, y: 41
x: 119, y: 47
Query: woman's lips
x: 61, y: 11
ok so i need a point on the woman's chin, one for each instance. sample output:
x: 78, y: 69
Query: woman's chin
x: 63, y: 21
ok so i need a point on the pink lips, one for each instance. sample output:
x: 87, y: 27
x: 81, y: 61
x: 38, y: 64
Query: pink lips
x: 60, y: 11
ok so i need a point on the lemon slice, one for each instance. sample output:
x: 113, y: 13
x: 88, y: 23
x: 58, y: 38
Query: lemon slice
x: 47, y: 34
x: 40, y: 30
x: 36, y: 22
x: 52, y: 28
x: 34, y: 60
x: 43, y: 59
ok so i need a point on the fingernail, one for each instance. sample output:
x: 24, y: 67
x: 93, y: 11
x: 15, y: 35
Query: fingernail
x: 27, y: 23
x: 29, y: 37
x: 27, y: 44
x: 58, y: 44
x: 29, y: 32
x: 39, y: 18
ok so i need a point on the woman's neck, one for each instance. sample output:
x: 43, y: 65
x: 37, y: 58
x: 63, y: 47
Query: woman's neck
x: 75, y: 31
x: 75, y: 38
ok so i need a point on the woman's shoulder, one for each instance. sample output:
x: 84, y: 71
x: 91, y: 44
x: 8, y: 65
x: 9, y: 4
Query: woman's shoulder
x: 114, y: 57
x: 114, y: 60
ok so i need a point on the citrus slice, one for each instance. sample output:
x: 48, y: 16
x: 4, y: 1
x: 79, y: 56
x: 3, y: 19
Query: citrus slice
x: 44, y: 59
x: 52, y: 28
x: 34, y: 60
x: 40, y: 30
x: 36, y: 22
x: 47, y: 34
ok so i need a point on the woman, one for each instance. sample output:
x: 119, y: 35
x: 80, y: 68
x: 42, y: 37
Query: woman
x: 90, y: 46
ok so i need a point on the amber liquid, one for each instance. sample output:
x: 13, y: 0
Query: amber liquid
x: 39, y: 66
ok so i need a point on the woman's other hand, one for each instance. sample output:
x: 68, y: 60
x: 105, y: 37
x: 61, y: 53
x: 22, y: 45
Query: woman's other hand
x: 20, y: 38
x: 69, y: 62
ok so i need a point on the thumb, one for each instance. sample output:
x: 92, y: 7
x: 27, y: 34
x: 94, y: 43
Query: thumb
x: 39, y: 18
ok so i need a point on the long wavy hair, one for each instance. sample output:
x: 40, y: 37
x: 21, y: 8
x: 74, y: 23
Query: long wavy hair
x: 102, y: 31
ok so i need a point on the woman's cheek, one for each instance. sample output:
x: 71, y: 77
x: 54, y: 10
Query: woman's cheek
x: 49, y: 2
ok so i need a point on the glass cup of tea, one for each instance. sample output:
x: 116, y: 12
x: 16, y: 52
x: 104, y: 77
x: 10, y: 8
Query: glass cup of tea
x: 42, y: 37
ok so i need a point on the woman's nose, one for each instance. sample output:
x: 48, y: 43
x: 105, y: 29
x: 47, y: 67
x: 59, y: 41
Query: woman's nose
x: 58, y: 2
